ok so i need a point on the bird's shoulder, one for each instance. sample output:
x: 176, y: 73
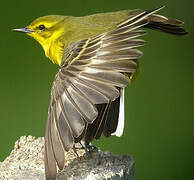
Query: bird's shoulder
x: 80, y: 28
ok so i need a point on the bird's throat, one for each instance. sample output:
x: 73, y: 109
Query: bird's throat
x: 52, y: 46
x: 53, y: 50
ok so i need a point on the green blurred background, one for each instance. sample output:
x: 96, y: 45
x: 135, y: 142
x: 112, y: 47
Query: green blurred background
x: 159, y: 108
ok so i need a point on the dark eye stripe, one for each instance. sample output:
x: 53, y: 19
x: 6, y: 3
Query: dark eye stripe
x: 41, y: 27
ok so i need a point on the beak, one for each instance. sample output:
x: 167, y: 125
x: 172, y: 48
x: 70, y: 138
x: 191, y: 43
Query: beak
x: 24, y: 30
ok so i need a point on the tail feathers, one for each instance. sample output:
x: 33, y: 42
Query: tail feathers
x: 94, y: 130
x: 110, y: 120
x: 167, y: 25
x: 120, y: 123
x: 149, y: 19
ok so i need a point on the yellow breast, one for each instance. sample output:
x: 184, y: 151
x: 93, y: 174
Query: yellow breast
x: 53, y: 46
x: 54, y: 51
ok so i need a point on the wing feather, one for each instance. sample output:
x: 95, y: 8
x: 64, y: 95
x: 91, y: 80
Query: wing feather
x: 65, y: 132
x: 123, y: 45
x: 69, y: 110
x: 127, y: 36
x: 58, y: 151
x: 104, y: 88
x: 93, y: 94
x: 109, y: 77
x: 86, y: 107
x: 50, y: 161
x: 120, y: 66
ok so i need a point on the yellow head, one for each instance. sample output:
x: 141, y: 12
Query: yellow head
x: 46, y: 30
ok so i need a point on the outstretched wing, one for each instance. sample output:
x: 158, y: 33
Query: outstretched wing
x: 92, y: 72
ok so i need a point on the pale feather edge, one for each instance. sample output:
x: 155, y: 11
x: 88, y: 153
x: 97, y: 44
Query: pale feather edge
x: 120, y: 126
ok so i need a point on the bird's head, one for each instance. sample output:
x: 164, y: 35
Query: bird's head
x: 43, y: 28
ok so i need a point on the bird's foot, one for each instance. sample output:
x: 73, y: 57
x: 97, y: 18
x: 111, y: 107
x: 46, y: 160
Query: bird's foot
x: 90, y: 148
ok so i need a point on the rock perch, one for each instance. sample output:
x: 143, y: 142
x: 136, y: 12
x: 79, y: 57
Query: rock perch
x: 26, y: 162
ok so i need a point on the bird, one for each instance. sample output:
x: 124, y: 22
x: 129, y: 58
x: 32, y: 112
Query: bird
x: 97, y: 57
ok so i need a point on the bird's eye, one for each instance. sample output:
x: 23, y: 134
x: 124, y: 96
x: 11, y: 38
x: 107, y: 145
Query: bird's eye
x: 41, y: 27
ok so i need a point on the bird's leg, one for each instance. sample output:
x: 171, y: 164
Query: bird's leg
x: 82, y: 146
x: 89, y: 148
x: 75, y: 151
